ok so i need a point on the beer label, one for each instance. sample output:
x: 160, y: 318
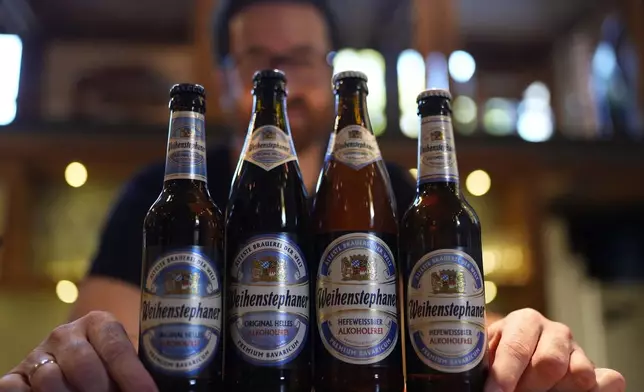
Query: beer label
x: 356, y: 147
x: 181, y: 312
x: 356, y: 299
x: 436, y: 151
x: 186, y: 154
x: 446, y: 311
x: 269, y: 147
x: 269, y: 300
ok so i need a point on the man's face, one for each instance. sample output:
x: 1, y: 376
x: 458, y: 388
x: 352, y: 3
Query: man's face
x: 292, y: 38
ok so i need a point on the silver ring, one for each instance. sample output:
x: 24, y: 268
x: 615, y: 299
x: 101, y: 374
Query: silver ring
x: 37, y: 366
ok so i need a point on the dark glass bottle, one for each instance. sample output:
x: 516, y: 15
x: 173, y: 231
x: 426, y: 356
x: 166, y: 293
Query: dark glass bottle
x: 358, y: 346
x: 183, y: 245
x: 267, y: 247
x: 440, y: 250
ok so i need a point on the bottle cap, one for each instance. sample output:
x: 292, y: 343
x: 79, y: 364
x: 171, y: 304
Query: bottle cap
x: 182, y: 88
x: 434, y: 92
x: 269, y: 74
x: 348, y: 74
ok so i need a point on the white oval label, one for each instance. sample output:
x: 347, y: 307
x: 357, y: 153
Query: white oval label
x: 356, y: 299
x: 269, y: 300
x: 446, y: 311
x: 181, y: 312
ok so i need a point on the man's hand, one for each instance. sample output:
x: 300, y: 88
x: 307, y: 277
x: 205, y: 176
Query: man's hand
x: 533, y: 354
x: 92, y: 353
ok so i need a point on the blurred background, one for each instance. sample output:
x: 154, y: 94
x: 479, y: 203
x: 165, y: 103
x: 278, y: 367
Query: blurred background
x: 548, y: 114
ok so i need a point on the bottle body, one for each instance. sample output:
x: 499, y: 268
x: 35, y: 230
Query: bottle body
x: 446, y: 345
x: 357, y: 337
x: 180, y: 339
x: 267, y: 251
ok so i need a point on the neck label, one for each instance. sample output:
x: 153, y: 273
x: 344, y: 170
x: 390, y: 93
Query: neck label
x: 269, y: 147
x: 356, y: 147
x: 436, y: 151
x: 186, y: 153
x: 446, y: 311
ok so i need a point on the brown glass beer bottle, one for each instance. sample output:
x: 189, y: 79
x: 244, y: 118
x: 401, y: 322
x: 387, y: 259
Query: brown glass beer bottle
x: 440, y: 253
x: 180, y: 338
x: 268, y: 345
x: 357, y: 341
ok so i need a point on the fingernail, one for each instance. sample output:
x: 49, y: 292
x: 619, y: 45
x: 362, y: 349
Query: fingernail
x: 492, y: 386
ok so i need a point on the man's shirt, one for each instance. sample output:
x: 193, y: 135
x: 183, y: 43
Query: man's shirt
x: 119, y: 255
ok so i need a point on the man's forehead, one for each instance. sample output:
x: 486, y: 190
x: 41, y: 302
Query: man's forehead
x: 280, y: 28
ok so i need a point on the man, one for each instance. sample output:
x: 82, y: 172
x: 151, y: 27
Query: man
x: 93, y: 353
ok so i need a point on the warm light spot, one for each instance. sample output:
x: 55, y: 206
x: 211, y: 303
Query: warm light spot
x: 490, y: 261
x: 76, y: 174
x: 67, y: 291
x: 490, y: 291
x: 513, y: 258
x: 478, y: 182
x: 414, y: 173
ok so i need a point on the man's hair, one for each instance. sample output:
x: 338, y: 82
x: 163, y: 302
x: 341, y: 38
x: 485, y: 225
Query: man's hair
x: 229, y: 8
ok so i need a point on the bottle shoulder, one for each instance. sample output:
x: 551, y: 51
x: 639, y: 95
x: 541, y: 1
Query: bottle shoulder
x: 350, y: 199
x: 184, y: 205
x: 440, y: 210
x: 273, y: 200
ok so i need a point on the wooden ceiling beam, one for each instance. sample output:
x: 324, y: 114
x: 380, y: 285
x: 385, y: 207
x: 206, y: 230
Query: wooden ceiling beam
x: 435, y: 26
x: 631, y: 12
x: 204, y: 64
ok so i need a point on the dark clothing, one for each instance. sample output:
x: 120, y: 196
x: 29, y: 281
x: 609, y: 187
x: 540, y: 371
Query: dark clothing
x: 119, y: 254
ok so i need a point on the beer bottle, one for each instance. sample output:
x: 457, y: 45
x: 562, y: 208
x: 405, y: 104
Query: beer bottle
x: 357, y: 344
x: 440, y: 250
x: 183, y: 247
x: 267, y: 240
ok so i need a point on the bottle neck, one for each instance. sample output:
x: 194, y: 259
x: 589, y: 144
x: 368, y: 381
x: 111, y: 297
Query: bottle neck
x: 186, y: 150
x: 351, y: 109
x: 269, y: 108
x: 268, y: 143
x: 437, y: 163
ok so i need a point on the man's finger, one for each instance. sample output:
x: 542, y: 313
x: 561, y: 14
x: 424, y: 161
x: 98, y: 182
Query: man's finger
x: 609, y: 381
x: 518, y: 341
x: 80, y: 364
x: 49, y: 378
x: 549, y: 363
x: 581, y: 373
x: 115, y: 349
x: 13, y: 382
